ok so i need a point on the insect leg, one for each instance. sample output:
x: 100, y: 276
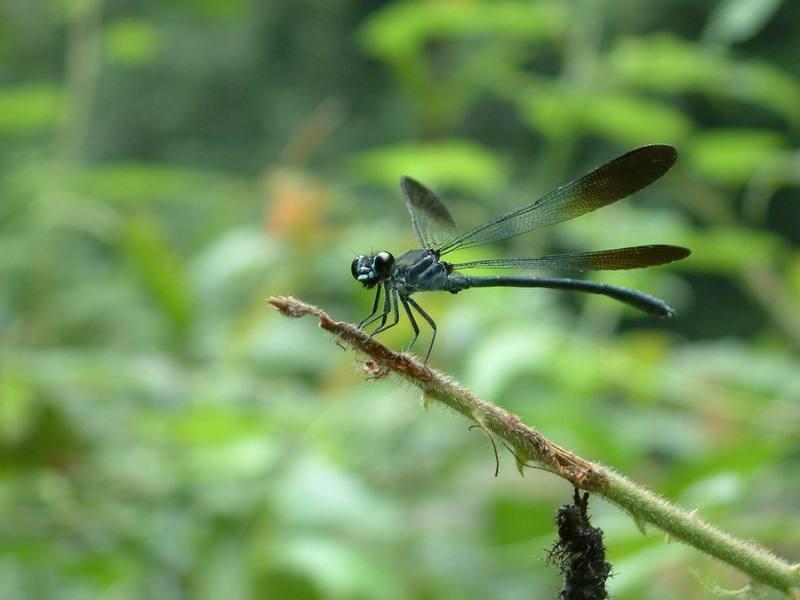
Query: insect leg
x: 395, y: 305
x: 369, y: 318
x: 427, y: 317
x: 411, y: 318
x: 387, y: 308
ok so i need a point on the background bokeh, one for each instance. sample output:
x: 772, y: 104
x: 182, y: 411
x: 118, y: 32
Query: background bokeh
x: 167, y: 165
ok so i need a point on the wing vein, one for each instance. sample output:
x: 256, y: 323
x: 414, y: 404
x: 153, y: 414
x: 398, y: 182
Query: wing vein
x: 633, y: 257
x: 608, y: 183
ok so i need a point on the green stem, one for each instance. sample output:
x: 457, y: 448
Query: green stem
x: 83, y: 65
x: 529, y: 445
x: 646, y: 507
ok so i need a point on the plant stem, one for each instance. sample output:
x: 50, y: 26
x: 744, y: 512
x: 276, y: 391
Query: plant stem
x: 644, y: 506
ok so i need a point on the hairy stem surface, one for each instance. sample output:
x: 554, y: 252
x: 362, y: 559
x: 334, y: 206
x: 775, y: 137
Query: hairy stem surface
x: 528, y: 445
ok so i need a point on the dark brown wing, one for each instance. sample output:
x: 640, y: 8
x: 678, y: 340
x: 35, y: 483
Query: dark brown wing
x: 613, y: 181
x: 634, y: 257
x: 432, y: 222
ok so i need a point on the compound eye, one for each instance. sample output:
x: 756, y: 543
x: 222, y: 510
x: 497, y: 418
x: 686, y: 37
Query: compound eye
x: 383, y: 264
x: 354, y: 267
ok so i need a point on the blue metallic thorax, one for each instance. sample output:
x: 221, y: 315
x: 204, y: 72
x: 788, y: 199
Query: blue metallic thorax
x: 419, y: 271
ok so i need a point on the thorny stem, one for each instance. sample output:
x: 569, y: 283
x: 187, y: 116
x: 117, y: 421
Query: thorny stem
x: 528, y: 445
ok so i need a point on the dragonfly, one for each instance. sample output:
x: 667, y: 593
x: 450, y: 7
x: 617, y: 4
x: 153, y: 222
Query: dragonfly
x: 423, y: 270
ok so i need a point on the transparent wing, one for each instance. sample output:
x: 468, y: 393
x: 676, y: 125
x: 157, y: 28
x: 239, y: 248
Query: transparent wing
x: 634, y: 257
x: 613, y: 181
x: 432, y: 222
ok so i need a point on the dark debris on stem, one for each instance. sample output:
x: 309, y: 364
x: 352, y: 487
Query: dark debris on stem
x: 580, y: 553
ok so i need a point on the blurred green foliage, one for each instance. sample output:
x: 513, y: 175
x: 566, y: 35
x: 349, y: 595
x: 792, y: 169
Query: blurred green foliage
x: 167, y: 165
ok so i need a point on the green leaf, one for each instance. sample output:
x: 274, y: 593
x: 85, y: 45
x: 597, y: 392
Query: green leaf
x: 160, y: 271
x: 144, y: 182
x: 131, y: 41
x: 631, y: 120
x: 621, y: 117
x: 634, y: 576
x: 403, y: 28
x: 29, y: 108
x: 204, y: 425
x: 340, y: 567
x: 224, y: 571
x: 730, y: 250
x: 509, y: 522
x: 218, y: 10
x: 733, y: 156
x: 548, y: 109
x: 759, y: 373
x: 738, y: 20
x: 765, y: 85
x: 668, y: 64
x: 17, y: 408
x: 457, y: 163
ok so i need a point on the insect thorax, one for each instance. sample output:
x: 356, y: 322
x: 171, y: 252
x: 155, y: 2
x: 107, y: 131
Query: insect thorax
x: 419, y: 271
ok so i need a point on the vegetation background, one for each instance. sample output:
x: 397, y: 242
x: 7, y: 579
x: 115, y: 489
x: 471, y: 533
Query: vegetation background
x: 167, y: 165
